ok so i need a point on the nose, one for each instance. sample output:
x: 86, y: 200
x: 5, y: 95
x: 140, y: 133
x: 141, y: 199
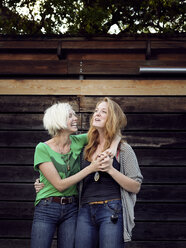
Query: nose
x: 97, y: 113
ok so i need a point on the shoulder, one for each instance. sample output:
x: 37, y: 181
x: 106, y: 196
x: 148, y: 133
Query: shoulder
x: 127, y: 151
x: 41, y: 147
x: 79, y: 137
x: 125, y: 147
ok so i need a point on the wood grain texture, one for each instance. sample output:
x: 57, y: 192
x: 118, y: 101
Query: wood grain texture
x: 152, y: 175
x: 138, y: 104
x: 86, y: 104
x: 146, y: 157
x: 33, y: 103
x: 148, y: 193
x: 144, y: 211
x: 93, y: 87
x: 152, y: 230
x: 136, y: 139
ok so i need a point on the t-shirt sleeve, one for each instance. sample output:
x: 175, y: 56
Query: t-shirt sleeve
x: 81, y: 139
x: 41, y: 155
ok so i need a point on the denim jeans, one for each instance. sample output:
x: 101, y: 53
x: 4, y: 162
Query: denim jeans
x: 95, y: 227
x: 49, y: 215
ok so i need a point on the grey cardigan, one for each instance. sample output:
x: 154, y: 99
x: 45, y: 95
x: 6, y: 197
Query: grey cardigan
x: 129, y: 167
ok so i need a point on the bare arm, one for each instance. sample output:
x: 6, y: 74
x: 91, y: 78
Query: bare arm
x: 113, y: 147
x: 52, y: 175
x: 125, y: 182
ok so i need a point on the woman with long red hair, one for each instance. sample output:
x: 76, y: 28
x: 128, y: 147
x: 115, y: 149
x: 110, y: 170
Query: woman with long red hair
x: 107, y: 197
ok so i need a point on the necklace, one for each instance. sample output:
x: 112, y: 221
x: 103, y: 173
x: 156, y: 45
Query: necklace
x: 67, y: 161
x: 61, y: 149
x: 96, y: 176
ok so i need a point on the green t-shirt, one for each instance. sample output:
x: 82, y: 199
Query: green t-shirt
x: 43, y: 153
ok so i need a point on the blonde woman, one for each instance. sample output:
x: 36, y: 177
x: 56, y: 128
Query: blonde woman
x: 57, y: 161
x: 107, y: 197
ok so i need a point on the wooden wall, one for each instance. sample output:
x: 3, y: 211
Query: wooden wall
x: 35, y: 73
x: 156, y: 131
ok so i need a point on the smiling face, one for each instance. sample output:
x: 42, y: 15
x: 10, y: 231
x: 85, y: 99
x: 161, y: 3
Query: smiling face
x: 72, y: 122
x: 100, y: 115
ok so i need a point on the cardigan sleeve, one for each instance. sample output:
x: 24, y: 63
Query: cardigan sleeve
x: 131, y: 166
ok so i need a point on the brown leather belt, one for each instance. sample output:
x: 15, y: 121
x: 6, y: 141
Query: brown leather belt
x: 62, y: 200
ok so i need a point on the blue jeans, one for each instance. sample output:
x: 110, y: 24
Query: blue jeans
x: 95, y: 227
x: 49, y: 215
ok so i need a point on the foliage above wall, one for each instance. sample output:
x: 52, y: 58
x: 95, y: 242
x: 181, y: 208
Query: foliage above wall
x: 91, y: 17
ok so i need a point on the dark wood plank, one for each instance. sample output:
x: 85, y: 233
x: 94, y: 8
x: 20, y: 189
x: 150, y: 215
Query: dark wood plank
x: 28, y: 44
x: 156, y: 244
x: 142, y: 231
x: 81, y: 43
x: 42, y: 67
x: 98, y: 67
x: 156, y: 139
x: 15, y: 228
x: 144, y: 122
x: 160, y: 231
x: 26, y: 138
x: 147, y: 121
x: 22, y: 121
x: 21, y: 210
x: 160, y: 157
x: 155, y: 175
x: 21, y: 243
x: 163, y: 175
x: 138, y: 104
x: 33, y: 104
x: 136, y: 139
x: 144, y: 211
x: 146, y: 157
x: 162, y: 193
x: 148, y: 193
x: 18, y: 173
x: 17, y: 156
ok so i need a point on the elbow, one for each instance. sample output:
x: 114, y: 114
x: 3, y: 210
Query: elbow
x: 59, y: 187
x: 137, y: 188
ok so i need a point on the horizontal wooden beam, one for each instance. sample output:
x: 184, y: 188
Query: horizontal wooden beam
x: 32, y: 67
x: 82, y: 67
x: 92, y: 87
x: 95, y: 43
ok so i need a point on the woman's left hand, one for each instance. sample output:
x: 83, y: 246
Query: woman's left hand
x: 106, y: 163
x: 110, y: 152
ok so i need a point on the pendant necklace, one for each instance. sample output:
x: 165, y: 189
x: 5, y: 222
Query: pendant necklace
x: 96, y: 176
x: 68, y: 162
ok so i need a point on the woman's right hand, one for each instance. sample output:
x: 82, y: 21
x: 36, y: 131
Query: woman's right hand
x: 96, y: 164
x: 38, y: 186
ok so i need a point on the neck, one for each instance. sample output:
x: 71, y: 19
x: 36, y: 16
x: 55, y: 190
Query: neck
x: 62, y: 142
x: 101, y: 141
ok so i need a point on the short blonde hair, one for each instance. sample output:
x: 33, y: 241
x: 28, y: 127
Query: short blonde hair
x: 55, y: 117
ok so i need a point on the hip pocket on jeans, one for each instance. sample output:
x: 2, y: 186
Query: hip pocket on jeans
x: 114, y: 206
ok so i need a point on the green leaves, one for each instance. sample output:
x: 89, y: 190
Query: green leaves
x: 91, y: 17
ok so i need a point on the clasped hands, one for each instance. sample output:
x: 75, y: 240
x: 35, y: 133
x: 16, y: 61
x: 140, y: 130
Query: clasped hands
x: 103, y: 162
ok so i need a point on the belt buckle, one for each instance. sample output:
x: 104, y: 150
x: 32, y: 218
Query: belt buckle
x: 61, y: 200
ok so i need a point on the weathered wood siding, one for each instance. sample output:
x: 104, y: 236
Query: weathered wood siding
x: 35, y: 73
x: 156, y: 130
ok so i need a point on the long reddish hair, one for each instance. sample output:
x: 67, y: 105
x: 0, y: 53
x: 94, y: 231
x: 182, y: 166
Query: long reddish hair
x: 116, y: 121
